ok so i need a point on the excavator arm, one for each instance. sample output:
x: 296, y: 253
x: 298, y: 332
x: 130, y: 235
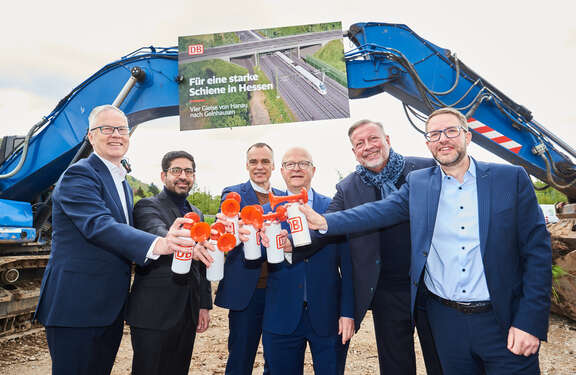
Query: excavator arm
x: 394, y: 59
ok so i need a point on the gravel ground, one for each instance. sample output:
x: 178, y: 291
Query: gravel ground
x: 29, y: 355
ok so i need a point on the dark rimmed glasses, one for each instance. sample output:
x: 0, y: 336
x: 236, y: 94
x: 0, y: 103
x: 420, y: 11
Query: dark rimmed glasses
x: 177, y: 171
x: 451, y: 132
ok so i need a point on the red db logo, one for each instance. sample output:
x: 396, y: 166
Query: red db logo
x: 195, y: 49
x: 279, y: 241
x: 295, y: 224
x: 180, y: 255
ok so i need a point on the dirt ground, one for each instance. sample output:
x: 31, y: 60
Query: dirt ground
x: 29, y: 355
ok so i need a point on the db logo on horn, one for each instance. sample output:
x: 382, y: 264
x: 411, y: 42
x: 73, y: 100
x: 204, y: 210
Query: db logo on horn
x: 180, y: 255
x: 279, y: 241
x: 295, y: 224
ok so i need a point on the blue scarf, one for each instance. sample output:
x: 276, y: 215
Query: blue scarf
x: 388, y: 176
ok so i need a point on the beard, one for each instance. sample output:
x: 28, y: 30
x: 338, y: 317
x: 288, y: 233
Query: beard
x: 449, y: 161
x: 179, y: 190
x: 374, y: 164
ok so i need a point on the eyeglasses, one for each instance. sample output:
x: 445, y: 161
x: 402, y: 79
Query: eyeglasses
x: 301, y: 164
x: 107, y: 130
x: 451, y: 132
x: 176, y: 171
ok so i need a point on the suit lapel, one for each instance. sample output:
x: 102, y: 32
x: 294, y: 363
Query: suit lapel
x: 250, y: 195
x: 168, y: 203
x: 317, y: 202
x: 484, y: 202
x: 432, y: 199
x: 109, y: 185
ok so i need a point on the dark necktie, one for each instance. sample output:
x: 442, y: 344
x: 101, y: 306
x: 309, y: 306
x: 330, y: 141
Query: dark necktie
x: 128, y: 197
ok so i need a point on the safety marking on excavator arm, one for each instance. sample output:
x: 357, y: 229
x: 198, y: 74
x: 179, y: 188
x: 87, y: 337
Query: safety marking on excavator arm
x: 495, y: 136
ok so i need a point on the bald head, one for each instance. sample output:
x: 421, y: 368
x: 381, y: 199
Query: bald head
x: 297, y: 169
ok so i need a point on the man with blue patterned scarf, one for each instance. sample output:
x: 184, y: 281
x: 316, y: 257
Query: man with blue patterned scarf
x: 381, y: 280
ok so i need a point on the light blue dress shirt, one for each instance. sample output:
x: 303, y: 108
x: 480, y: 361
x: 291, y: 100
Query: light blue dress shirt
x: 454, y: 268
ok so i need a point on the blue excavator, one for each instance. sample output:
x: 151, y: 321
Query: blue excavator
x: 145, y: 84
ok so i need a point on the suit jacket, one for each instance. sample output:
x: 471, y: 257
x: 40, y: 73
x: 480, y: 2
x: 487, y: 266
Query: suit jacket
x: 240, y: 276
x: 514, y: 242
x: 87, y: 278
x: 329, y: 289
x: 159, y: 298
x: 365, y: 246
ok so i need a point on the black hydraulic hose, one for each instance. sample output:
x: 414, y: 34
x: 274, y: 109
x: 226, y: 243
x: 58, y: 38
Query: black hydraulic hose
x: 457, y: 67
x: 546, y: 186
x: 551, y: 180
x: 556, y: 171
x: 406, y: 109
x: 26, y: 143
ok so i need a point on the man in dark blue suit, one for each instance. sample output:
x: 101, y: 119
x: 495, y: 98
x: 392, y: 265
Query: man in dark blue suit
x: 311, y: 301
x: 242, y: 290
x: 480, y: 250
x: 381, y: 257
x: 86, y: 282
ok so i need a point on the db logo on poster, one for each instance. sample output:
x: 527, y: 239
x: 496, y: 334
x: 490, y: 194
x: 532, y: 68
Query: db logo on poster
x: 195, y: 49
x: 295, y: 224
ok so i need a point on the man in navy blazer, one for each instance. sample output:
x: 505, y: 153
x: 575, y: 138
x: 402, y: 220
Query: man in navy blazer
x: 86, y: 281
x: 480, y: 250
x: 242, y: 290
x: 310, y: 301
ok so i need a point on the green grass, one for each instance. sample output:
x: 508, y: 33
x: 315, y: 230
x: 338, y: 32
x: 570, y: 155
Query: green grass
x: 332, y: 53
x: 277, y: 109
x: 550, y: 195
x: 301, y: 29
x: 206, y: 69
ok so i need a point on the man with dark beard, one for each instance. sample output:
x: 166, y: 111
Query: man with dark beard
x: 165, y: 310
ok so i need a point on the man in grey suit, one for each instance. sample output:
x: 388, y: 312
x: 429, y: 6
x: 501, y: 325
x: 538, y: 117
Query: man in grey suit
x: 165, y: 310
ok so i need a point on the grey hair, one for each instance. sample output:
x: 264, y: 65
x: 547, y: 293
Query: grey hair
x: 103, y: 108
x: 360, y: 123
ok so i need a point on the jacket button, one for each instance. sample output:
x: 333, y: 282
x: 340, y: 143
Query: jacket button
x: 377, y: 261
x: 306, y: 260
x: 371, y: 290
x: 425, y: 253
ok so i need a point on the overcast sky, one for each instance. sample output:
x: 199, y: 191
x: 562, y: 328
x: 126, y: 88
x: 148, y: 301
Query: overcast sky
x: 527, y: 51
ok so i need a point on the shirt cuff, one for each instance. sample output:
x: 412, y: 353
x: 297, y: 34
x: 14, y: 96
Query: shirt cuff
x: 150, y: 254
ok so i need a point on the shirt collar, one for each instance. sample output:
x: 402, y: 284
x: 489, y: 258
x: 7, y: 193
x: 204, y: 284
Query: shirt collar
x: 310, y: 195
x: 118, y: 173
x: 257, y: 188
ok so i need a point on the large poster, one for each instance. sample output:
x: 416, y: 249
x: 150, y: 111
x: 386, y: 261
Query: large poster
x: 266, y: 76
